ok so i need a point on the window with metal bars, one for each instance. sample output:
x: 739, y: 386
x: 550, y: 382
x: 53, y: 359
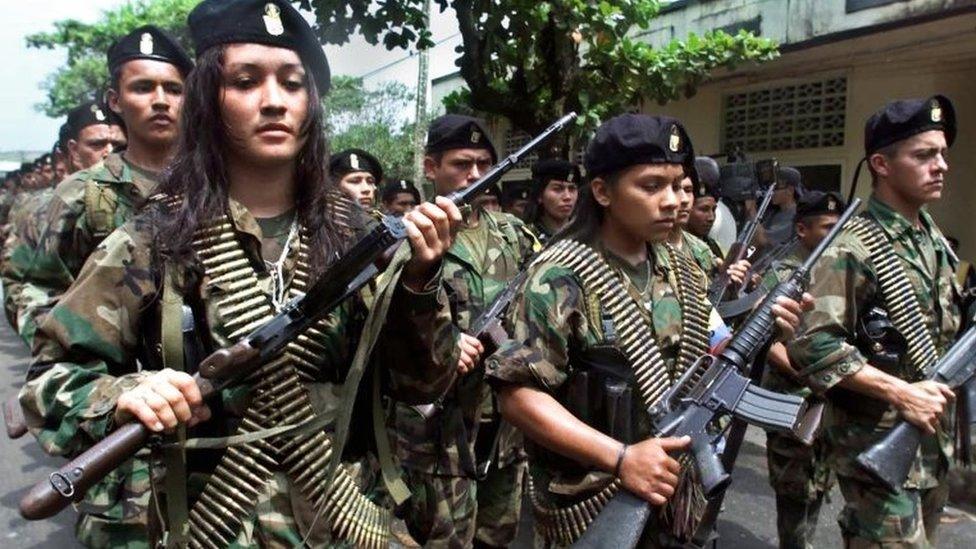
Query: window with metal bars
x: 801, y: 116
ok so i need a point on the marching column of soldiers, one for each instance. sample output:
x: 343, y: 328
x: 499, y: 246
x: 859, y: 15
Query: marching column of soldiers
x: 518, y: 348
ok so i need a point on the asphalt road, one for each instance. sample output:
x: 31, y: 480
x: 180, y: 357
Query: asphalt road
x: 748, y: 521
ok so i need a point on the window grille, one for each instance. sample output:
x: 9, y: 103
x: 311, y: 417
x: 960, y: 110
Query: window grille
x: 802, y: 116
x: 515, y: 140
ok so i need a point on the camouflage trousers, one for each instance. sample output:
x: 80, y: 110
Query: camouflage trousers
x: 441, y: 509
x: 874, y: 517
x: 800, y: 476
x: 500, y: 505
x: 450, y: 511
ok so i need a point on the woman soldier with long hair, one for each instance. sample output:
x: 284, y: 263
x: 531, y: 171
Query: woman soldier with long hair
x: 246, y: 222
x: 598, y: 312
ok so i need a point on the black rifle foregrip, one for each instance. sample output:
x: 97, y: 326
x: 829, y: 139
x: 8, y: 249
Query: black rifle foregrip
x: 712, y: 474
x: 890, y: 459
x: 70, y: 482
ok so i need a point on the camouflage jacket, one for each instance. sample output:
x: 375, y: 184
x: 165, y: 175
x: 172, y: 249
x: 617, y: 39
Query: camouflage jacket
x: 87, y: 206
x: 552, y: 320
x: 102, y: 338
x: 845, y: 287
x: 778, y: 272
x: 541, y: 231
x: 477, y: 268
x: 25, y: 223
x: 701, y: 253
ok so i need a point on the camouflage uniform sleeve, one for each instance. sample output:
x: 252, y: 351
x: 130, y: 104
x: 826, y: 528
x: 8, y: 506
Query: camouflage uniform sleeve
x: 528, y: 242
x: 545, y: 316
x: 61, y: 251
x: 12, y: 276
x: 824, y: 352
x: 85, y: 349
x: 419, y: 342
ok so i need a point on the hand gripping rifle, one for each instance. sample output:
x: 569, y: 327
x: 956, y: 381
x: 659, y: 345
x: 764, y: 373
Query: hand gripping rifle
x: 890, y: 459
x: 230, y: 365
x: 722, y: 390
x: 740, y: 249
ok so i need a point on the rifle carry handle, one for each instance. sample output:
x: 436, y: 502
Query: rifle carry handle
x: 890, y: 459
x: 70, y: 482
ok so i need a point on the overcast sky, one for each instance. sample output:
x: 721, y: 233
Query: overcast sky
x: 23, y: 70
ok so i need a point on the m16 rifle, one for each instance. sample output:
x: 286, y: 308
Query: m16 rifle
x: 230, y: 365
x: 722, y: 390
x: 890, y: 459
x: 740, y: 249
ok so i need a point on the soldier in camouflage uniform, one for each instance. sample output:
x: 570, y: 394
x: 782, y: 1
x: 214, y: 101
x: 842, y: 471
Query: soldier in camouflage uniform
x: 565, y: 377
x: 555, y: 190
x: 90, y: 135
x: 436, y: 446
x: 23, y: 232
x: 702, y: 215
x: 798, y: 472
x: 148, y: 68
x: 868, y: 381
x: 399, y: 197
x: 357, y: 173
x: 100, y: 350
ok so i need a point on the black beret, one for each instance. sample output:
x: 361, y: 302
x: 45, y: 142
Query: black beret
x: 902, y: 119
x: 815, y: 202
x: 455, y: 131
x: 516, y: 190
x: 270, y: 22
x: 632, y: 139
x: 394, y: 188
x: 355, y: 160
x: 26, y: 167
x: 87, y: 114
x: 789, y: 175
x: 45, y: 159
x: 492, y: 190
x: 149, y: 42
x: 549, y: 169
x: 708, y: 177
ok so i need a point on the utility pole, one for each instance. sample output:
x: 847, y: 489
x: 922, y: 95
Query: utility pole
x: 420, y: 127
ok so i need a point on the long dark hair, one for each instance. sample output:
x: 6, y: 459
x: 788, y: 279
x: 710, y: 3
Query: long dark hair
x: 588, y: 215
x: 198, y: 172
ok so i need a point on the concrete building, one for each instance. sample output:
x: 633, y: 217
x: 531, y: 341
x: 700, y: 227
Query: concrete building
x: 841, y: 60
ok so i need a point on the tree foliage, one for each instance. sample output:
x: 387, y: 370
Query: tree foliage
x: 372, y: 120
x: 85, y: 75
x: 532, y: 61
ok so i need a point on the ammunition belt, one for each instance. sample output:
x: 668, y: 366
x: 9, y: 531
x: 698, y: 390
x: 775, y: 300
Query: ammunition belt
x: 694, y: 311
x: 562, y: 526
x: 279, y: 396
x: 899, y: 296
x: 636, y: 340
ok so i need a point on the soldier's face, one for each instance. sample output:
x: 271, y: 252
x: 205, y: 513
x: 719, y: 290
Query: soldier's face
x: 94, y: 143
x: 517, y: 207
x: 456, y: 169
x: 702, y: 216
x: 401, y: 204
x: 916, y: 169
x: 46, y: 175
x: 643, y: 204
x: 814, y: 229
x: 360, y: 186
x: 60, y: 169
x: 558, y: 200
x: 149, y: 99
x: 486, y: 202
x: 685, y: 200
x: 264, y: 104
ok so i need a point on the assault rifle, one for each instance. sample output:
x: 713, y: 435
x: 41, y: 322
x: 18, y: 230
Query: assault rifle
x: 722, y: 390
x: 740, y: 249
x: 890, y: 459
x: 228, y: 366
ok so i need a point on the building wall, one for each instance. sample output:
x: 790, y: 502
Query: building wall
x: 918, y: 61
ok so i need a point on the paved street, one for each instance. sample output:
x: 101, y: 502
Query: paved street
x: 747, y: 523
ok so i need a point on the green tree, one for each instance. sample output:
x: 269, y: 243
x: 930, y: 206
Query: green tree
x: 85, y: 75
x: 532, y: 61
x: 372, y: 120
